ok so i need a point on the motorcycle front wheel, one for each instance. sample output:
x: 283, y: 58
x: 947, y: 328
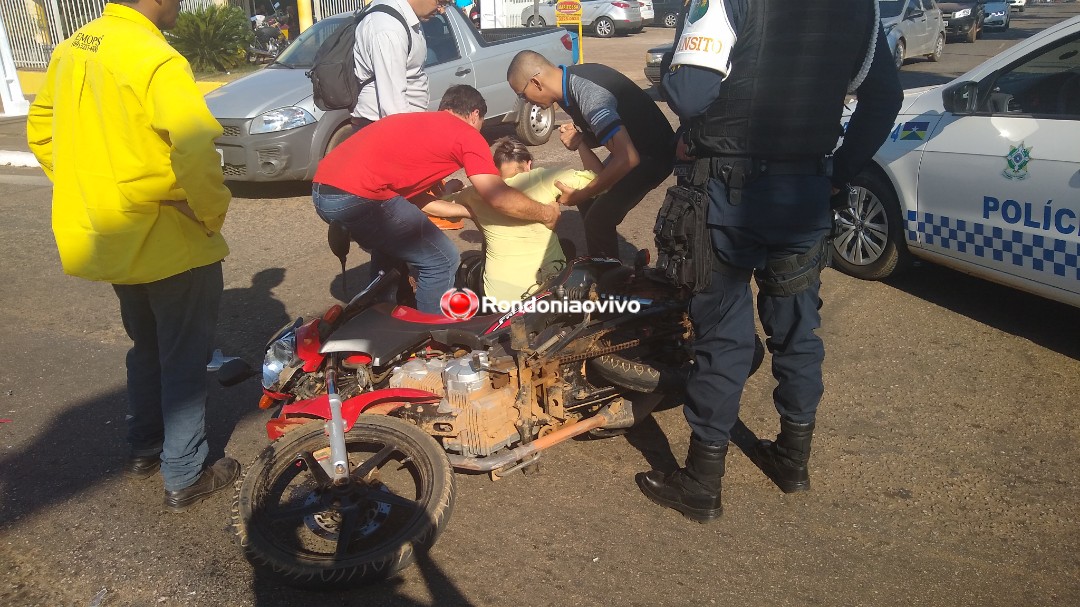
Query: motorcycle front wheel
x: 300, y: 528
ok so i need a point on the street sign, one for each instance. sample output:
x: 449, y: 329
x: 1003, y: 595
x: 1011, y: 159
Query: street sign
x: 568, y: 12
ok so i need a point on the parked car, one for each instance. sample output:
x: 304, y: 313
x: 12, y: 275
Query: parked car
x: 646, y: 8
x: 964, y: 19
x: 997, y: 16
x: 274, y: 132
x: 666, y: 12
x: 604, y: 18
x: 981, y: 175
x: 653, y: 58
x: 913, y: 28
x: 1018, y: 4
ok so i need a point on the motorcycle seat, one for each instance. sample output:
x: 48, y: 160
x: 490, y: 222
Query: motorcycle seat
x: 384, y: 331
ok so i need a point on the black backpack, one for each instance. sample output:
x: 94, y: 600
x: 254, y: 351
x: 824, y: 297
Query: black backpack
x: 333, y: 72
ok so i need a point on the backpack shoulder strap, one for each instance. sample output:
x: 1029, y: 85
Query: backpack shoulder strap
x: 384, y: 8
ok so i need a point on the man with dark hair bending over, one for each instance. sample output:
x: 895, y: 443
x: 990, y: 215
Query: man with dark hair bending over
x: 366, y: 180
x: 608, y: 110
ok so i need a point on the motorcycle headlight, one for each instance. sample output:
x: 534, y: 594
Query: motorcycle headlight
x: 964, y: 12
x: 279, y: 355
x: 281, y: 119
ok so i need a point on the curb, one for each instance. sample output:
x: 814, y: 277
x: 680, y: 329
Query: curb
x: 17, y: 159
x: 31, y: 82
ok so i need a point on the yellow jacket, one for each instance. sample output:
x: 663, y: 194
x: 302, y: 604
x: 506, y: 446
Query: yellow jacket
x: 124, y: 134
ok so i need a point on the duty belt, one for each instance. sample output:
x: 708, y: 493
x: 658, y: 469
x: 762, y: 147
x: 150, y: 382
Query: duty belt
x: 737, y: 172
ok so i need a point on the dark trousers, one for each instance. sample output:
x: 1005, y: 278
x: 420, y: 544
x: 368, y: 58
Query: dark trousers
x: 603, y: 213
x: 723, y: 314
x: 171, y: 323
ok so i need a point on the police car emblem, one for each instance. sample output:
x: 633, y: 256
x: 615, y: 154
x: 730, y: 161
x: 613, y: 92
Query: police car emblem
x: 1016, y: 162
x: 698, y: 10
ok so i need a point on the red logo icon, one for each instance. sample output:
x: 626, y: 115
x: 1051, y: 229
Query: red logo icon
x: 459, y: 304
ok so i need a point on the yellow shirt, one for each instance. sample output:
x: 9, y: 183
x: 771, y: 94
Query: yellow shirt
x: 517, y: 250
x: 120, y: 128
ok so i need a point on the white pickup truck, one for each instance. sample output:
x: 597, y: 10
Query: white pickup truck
x: 274, y: 132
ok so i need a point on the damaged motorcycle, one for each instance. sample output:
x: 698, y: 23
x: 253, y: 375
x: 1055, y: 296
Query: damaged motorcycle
x: 376, y: 404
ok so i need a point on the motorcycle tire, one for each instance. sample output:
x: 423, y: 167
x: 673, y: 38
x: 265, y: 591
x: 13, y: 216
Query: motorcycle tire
x: 290, y: 521
x: 646, y: 377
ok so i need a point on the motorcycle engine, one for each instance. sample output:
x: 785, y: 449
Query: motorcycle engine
x: 473, y: 418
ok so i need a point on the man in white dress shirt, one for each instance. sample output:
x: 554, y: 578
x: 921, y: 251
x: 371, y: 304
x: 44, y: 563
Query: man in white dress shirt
x: 394, y: 56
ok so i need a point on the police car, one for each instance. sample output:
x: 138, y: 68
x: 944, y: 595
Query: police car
x: 981, y: 174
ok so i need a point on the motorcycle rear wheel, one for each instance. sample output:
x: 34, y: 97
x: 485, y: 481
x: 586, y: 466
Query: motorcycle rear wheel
x: 296, y: 527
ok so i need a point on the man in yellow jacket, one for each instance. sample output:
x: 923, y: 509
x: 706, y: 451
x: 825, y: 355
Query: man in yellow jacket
x: 138, y: 201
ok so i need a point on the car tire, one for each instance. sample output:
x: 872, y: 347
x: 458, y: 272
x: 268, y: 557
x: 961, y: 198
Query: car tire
x: 671, y: 19
x: 603, y: 27
x: 536, y: 21
x: 535, y: 124
x: 869, y: 242
x: 939, y: 49
x: 341, y: 133
x: 898, y: 53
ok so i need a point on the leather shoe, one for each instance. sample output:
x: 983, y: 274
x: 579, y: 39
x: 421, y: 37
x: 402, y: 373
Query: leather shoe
x: 213, y: 479
x: 141, y: 466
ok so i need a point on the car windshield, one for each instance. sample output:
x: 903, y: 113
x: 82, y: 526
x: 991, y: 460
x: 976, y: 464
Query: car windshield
x: 301, y: 53
x: 891, y: 8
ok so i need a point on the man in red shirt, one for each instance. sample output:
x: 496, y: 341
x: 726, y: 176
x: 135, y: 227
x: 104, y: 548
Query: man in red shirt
x: 365, y: 181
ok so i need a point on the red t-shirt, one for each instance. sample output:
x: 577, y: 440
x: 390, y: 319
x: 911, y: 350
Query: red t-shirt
x: 405, y: 154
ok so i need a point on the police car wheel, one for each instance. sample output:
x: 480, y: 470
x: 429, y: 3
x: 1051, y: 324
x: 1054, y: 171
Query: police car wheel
x: 869, y: 242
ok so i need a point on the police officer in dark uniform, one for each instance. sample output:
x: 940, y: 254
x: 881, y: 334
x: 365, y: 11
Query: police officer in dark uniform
x: 608, y: 110
x: 759, y: 86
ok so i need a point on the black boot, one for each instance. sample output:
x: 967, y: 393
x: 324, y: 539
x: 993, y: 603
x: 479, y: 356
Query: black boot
x: 784, y: 460
x: 694, y: 490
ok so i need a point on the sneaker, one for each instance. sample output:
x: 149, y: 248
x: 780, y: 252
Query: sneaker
x: 447, y: 224
x: 213, y: 479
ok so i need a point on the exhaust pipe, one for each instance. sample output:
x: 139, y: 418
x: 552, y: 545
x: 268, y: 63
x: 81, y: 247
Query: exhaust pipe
x: 617, y: 414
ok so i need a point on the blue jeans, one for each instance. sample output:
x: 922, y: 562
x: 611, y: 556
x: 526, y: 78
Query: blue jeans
x: 171, y: 323
x: 395, y: 230
x: 780, y: 216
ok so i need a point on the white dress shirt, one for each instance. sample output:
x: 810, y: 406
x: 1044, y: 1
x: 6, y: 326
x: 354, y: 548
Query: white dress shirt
x: 382, y: 50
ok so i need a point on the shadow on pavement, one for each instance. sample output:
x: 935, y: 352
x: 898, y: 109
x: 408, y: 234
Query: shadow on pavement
x: 267, y: 592
x: 269, y: 190
x: 1050, y: 324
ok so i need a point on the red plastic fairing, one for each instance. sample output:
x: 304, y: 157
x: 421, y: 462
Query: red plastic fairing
x: 319, y: 408
x: 308, y: 345
x: 276, y: 395
x: 423, y: 318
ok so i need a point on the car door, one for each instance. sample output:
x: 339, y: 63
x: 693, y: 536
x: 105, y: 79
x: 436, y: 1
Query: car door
x: 935, y: 24
x: 999, y: 188
x: 916, y: 28
x: 590, y: 10
x: 446, y: 64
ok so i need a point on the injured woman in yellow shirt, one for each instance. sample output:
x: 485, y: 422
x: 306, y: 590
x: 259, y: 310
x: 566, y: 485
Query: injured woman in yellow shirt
x: 516, y: 252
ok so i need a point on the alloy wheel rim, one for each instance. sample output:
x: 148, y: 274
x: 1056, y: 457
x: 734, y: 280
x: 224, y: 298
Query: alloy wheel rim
x: 863, y: 230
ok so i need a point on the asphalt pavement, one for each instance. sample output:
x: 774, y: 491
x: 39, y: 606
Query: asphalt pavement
x: 943, y: 464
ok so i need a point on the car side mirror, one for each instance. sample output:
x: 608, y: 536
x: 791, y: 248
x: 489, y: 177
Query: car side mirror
x: 960, y: 98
